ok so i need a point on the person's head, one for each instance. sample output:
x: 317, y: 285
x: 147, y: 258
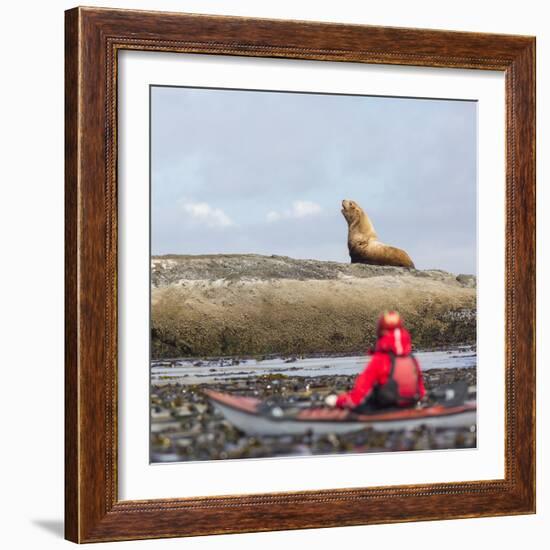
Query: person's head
x: 389, y: 320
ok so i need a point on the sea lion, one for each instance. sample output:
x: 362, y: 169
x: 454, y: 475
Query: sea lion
x: 363, y: 244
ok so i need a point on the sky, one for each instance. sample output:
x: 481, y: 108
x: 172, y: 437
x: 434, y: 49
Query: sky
x: 235, y: 171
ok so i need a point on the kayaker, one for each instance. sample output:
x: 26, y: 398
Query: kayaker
x: 392, y: 378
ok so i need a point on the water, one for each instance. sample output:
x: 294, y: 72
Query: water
x: 186, y: 427
x: 194, y: 371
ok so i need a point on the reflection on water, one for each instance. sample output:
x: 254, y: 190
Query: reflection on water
x: 193, y: 371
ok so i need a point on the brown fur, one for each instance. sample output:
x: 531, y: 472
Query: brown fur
x: 363, y: 244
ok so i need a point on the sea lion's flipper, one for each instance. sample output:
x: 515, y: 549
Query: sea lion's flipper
x: 382, y: 254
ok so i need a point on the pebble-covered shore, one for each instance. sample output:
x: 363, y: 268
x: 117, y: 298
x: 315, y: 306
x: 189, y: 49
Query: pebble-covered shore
x: 185, y: 427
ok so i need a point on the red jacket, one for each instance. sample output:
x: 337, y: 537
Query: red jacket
x: 378, y: 370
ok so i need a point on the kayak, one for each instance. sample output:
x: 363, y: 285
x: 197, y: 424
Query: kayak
x: 249, y: 415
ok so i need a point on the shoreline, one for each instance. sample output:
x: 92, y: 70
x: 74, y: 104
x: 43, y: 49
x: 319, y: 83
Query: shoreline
x: 291, y: 357
x: 191, y: 371
x: 185, y: 427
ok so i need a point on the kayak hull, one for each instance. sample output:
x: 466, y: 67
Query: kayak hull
x: 244, y: 413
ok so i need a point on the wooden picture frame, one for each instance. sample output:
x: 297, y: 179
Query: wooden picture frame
x: 93, y: 511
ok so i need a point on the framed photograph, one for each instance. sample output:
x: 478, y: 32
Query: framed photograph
x: 300, y: 274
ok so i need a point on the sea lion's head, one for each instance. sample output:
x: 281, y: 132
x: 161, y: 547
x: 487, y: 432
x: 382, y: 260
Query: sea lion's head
x: 351, y: 211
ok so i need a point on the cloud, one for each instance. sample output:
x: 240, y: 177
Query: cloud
x: 299, y: 209
x: 273, y: 216
x: 202, y: 212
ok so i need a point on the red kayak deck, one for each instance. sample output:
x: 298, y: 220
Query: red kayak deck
x: 251, y: 405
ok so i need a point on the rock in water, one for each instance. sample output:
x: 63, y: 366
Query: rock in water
x: 247, y: 304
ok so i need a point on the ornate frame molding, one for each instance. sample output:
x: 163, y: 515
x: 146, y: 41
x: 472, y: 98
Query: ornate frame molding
x: 93, y: 38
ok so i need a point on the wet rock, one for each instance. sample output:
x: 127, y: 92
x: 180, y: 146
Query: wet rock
x: 185, y: 410
x: 158, y: 413
x: 195, y: 431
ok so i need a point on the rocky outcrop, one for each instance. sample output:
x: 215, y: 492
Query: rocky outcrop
x: 245, y: 305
